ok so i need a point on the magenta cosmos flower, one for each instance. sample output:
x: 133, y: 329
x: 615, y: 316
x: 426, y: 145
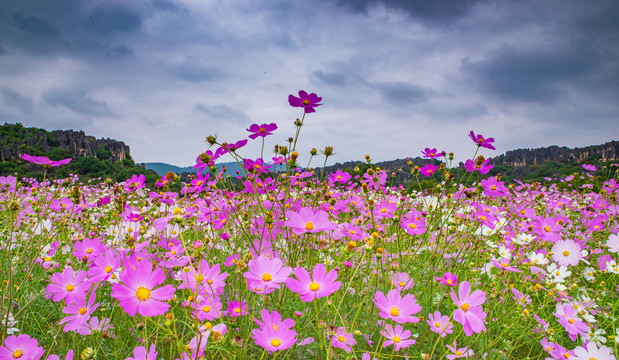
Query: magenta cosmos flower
x: 137, y: 293
x: 79, y: 313
x: 394, y: 306
x: 139, y: 353
x: 273, y: 338
x: 308, y: 220
x: 21, y: 347
x: 236, y: 309
x: 308, y: 102
x: 469, y: 312
x: 428, y: 170
x: 430, y: 153
x: 68, y: 285
x: 440, y: 324
x: 448, y: 279
x: 265, y: 273
x: 343, y: 340
x: 483, y: 168
x: 42, y: 160
x: 8, y: 183
x: 261, y: 130
x: 320, y: 284
x: 481, y: 141
x: 397, y: 336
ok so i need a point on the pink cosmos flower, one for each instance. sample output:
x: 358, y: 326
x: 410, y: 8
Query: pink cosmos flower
x: 448, y: 279
x: 204, y: 279
x: 236, y: 309
x: 104, y: 266
x: 96, y: 326
x: 440, y: 324
x: 343, y: 340
x: 566, y: 253
x: 139, y: 353
x: 68, y: 357
x: 430, y: 153
x: 21, y: 347
x: 8, y: 184
x: 613, y: 243
x: 135, y: 182
x: 89, y: 248
x: 469, y: 313
x: 396, y: 336
x: 464, y: 352
x: 261, y: 130
x: 493, y: 187
x: 413, y: 223
x: 320, y: 284
x: 568, y: 318
x: 402, y: 281
x: 503, y: 263
x: 198, y: 343
x: 137, y: 293
x: 307, y: 102
x: 266, y: 273
x: 339, y: 176
x: 428, y: 170
x: 274, y: 320
x: 589, y: 167
x: 272, y: 339
x: 308, y: 220
x: 68, y: 285
x: 482, y: 168
x: 593, y: 352
x: 45, y: 161
x: 481, y: 141
x: 79, y: 312
x: 548, y: 229
x: 394, y: 306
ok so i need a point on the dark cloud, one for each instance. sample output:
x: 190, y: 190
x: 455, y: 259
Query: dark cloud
x: 404, y: 92
x: 3, y: 51
x: 168, y: 6
x: 35, y: 26
x: 540, y: 75
x: 424, y: 10
x: 113, y: 18
x: 78, y: 101
x: 14, y: 99
x: 328, y: 78
x: 223, y: 112
x: 196, y: 72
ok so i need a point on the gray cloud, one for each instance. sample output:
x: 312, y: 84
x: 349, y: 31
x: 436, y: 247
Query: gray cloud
x: 531, y: 75
x: 35, y: 26
x: 223, y: 112
x: 195, y: 71
x: 400, y: 92
x: 3, y: 51
x: 15, y: 99
x: 113, y: 18
x: 78, y: 101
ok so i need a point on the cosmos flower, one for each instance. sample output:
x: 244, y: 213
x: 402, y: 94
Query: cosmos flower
x: 320, y: 284
x: 566, y: 253
x: 21, y: 347
x: 272, y: 339
x: 394, y: 306
x: 308, y: 220
x: 266, y: 273
x: 428, y: 170
x: 448, y: 279
x: 469, y: 312
x: 137, y: 291
x: 261, y: 130
x: 68, y: 286
x: 45, y: 161
x: 139, y: 353
x: 79, y: 312
x: 481, y: 141
x: 307, y: 102
x: 236, y: 309
x: 440, y: 324
x: 397, y: 336
x: 430, y: 153
x: 343, y: 340
x: 591, y: 351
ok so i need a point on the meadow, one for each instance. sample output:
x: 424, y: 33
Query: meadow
x: 284, y: 263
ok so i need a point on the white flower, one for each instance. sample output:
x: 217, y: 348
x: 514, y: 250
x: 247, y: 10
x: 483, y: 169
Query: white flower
x: 589, y: 273
x: 613, y: 243
x: 597, y: 336
x: 557, y: 274
x: 523, y: 239
x: 538, y: 259
x: 612, y: 267
x: 504, y: 252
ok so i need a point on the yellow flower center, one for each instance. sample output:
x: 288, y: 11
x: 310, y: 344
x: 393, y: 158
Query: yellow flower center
x: 571, y: 321
x: 465, y: 307
x: 437, y: 324
x: 395, y: 311
x: 309, y: 226
x: 89, y: 251
x: 449, y: 281
x: 142, y: 293
x: 493, y: 187
x: 458, y: 352
x: 266, y: 277
x: 401, y: 283
x: 305, y: 102
x: 17, y: 354
x: 396, y: 339
x: 314, y: 286
x: 341, y: 338
x: 82, y: 311
x: 383, y: 210
x: 547, y: 228
x: 108, y: 269
x: 237, y: 310
x: 412, y: 226
x: 276, y: 342
x: 199, y: 277
x: 206, y: 309
x: 566, y: 253
x: 209, y: 281
x: 70, y: 287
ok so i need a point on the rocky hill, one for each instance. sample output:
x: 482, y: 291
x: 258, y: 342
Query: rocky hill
x: 540, y: 156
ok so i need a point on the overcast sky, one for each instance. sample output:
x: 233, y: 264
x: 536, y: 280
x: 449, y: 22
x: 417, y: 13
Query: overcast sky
x: 395, y: 76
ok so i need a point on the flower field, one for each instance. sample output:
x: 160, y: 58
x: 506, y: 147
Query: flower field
x: 283, y: 263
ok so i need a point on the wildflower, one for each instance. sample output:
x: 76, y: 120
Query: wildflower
x: 135, y: 182
x: 236, y: 309
x: 320, y: 284
x: 464, y: 352
x: 308, y: 102
x: 68, y: 357
x: 613, y: 243
x: 137, y: 292
x: 430, y: 153
x: 198, y: 343
x: 589, y: 167
x: 593, y: 352
x: 266, y: 273
x: 274, y: 320
x: 96, y: 326
x: 343, y: 340
x: 21, y: 347
x: 8, y: 184
x: 402, y: 281
x: 139, y: 353
x: 272, y: 339
x: 428, y: 170
x: 440, y: 324
x: 68, y: 285
x: 469, y: 313
x: 339, y: 176
x: 413, y: 223
x: 481, y: 141
x: 448, y: 279
x: 566, y: 252
x: 396, y: 336
x: 45, y: 161
x: 394, y: 306
x: 79, y: 312
x: 568, y: 318
x: 104, y: 267
x: 308, y: 220
x: 90, y: 248
x: 504, y: 264
x: 547, y: 229
x: 204, y: 279
x: 483, y: 168
x: 261, y: 130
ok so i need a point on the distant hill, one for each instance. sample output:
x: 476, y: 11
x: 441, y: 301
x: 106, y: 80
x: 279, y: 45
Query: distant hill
x: 163, y: 168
